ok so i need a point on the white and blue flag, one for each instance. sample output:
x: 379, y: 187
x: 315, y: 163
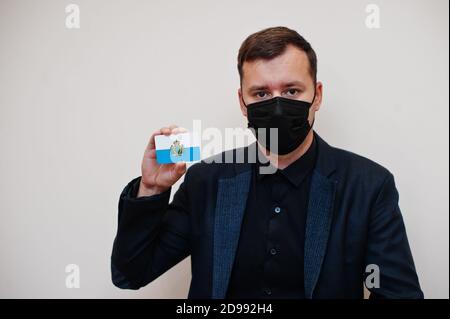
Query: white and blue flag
x: 183, y: 147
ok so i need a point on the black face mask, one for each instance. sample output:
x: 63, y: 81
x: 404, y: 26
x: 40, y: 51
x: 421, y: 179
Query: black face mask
x: 289, y: 116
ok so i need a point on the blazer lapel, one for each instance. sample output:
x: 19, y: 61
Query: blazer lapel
x: 230, y: 206
x: 319, y: 216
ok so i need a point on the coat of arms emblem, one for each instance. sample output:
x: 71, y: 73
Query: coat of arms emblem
x: 176, y: 149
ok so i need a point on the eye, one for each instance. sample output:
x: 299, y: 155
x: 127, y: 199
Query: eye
x: 292, y: 92
x: 261, y: 94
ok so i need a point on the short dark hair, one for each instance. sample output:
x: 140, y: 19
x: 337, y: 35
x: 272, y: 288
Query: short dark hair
x: 272, y: 42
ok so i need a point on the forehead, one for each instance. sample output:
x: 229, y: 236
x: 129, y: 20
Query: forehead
x: 292, y: 65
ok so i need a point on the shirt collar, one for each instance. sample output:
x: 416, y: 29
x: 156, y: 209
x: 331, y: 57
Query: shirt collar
x: 296, y: 171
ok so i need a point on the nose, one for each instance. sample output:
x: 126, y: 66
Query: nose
x: 277, y: 111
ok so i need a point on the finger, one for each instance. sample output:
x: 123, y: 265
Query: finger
x: 179, y: 169
x: 178, y: 130
x: 166, y: 130
x: 151, y: 142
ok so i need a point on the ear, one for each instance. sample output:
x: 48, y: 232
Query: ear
x: 318, y: 100
x: 241, y: 103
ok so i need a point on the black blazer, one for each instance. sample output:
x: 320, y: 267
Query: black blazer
x: 353, y: 220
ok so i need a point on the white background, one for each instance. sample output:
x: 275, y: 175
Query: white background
x: 77, y: 108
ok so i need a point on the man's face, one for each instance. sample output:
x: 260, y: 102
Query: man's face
x: 287, y: 75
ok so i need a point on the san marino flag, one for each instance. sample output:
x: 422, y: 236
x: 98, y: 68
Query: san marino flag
x: 183, y: 147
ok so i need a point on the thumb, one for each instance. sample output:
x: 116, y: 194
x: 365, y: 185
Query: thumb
x: 180, y: 168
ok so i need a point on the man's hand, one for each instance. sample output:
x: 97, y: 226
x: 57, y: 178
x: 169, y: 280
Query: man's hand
x: 157, y: 178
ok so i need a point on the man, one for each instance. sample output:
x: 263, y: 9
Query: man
x: 309, y: 230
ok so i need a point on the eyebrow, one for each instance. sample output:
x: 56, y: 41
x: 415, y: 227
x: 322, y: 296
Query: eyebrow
x: 284, y: 85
